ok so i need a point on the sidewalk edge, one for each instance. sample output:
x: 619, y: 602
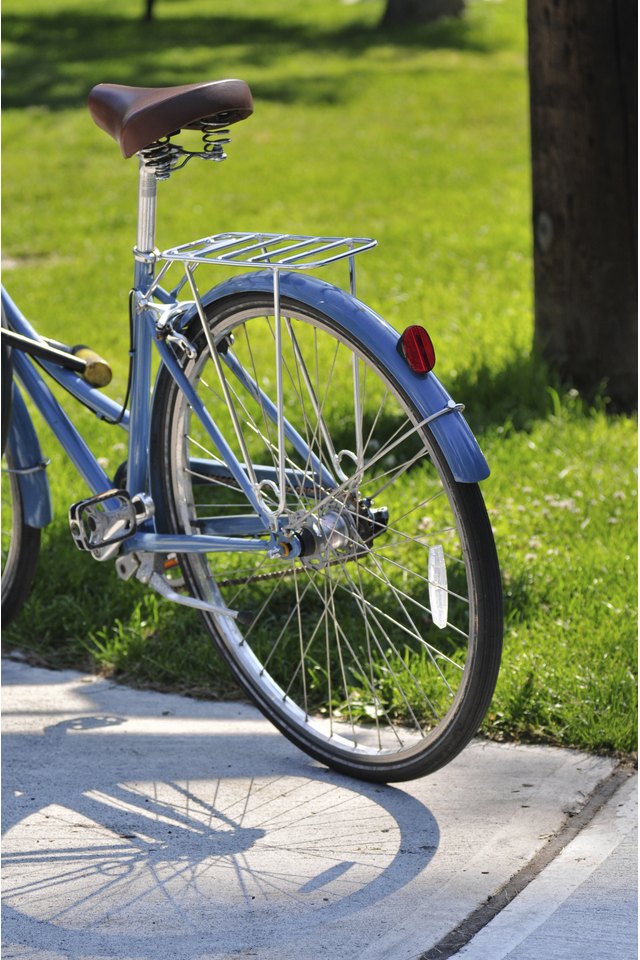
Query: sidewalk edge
x: 458, y: 938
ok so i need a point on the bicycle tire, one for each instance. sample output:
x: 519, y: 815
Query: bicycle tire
x: 20, y: 545
x: 378, y: 693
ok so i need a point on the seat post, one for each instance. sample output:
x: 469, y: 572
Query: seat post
x: 141, y: 343
x: 146, y: 231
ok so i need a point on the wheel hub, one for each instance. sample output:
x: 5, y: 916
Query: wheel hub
x: 346, y: 532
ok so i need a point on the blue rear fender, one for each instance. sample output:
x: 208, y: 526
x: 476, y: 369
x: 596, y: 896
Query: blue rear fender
x: 28, y: 462
x: 379, y: 339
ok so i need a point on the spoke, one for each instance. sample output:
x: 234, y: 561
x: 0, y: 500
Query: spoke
x: 285, y: 367
x: 233, y: 414
x: 321, y: 425
x: 420, y: 505
x: 374, y: 552
x: 267, y: 422
x: 412, y: 633
x: 377, y: 417
x: 365, y: 614
x: 316, y: 483
x: 357, y: 480
x: 428, y: 647
x: 209, y: 453
x: 210, y: 505
x: 269, y: 446
x: 360, y: 667
x: 345, y: 686
x: 311, y: 638
x: 299, y: 397
x: 301, y: 641
x: 234, y: 600
x: 282, y: 481
x: 310, y: 428
x: 357, y: 411
x: 276, y: 642
x: 215, y: 359
x: 328, y: 659
x: 403, y: 468
x: 250, y: 421
x: 231, y: 487
x: 364, y: 603
x: 417, y: 575
x: 405, y: 538
x: 378, y: 707
x: 401, y: 595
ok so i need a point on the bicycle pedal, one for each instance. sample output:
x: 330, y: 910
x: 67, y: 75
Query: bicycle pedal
x: 107, y: 519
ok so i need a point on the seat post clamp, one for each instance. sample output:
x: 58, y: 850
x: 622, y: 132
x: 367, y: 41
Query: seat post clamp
x: 145, y: 257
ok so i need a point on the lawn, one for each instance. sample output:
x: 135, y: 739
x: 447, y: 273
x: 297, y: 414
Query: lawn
x: 418, y: 138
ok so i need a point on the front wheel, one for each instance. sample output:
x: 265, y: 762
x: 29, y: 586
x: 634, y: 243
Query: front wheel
x: 375, y: 645
x: 20, y: 544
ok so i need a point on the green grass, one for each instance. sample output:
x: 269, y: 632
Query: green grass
x: 419, y: 138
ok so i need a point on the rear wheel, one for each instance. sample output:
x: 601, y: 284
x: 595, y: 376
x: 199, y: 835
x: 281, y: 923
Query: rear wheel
x: 375, y: 644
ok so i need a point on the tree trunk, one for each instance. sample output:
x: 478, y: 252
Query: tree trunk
x: 402, y: 12
x: 584, y: 133
x: 148, y: 10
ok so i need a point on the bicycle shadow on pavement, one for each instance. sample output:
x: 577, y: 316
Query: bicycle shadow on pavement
x: 124, y: 835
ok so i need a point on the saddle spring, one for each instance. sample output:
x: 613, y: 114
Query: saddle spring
x: 164, y: 157
x: 161, y: 156
x: 214, y: 140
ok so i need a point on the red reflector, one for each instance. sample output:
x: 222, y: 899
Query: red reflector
x: 416, y: 347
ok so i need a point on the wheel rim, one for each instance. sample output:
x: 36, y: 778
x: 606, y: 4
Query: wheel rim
x: 363, y: 646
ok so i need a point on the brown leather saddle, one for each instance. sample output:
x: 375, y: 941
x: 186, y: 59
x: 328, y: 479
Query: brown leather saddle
x: 138, y: 116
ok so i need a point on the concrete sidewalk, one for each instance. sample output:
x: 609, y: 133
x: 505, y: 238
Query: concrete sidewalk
x: 142, y: 825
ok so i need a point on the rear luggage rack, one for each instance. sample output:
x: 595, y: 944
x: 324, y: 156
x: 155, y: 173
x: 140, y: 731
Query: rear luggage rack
x: 271, y: 250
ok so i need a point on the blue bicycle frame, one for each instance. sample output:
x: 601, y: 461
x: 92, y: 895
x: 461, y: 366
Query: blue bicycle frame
x: 136, y: 421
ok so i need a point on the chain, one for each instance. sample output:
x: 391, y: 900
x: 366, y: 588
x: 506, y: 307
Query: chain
x: 281, y: 574
x: 241, y: 581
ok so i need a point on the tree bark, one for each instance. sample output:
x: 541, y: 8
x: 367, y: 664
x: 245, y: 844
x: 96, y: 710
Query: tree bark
x: 402, y: 12
x: 584, y: 133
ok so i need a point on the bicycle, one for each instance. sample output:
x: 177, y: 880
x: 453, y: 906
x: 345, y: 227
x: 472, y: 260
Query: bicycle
x: 296, y: 472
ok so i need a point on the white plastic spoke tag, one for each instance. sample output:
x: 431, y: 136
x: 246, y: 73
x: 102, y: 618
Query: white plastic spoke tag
x: 438, y: 592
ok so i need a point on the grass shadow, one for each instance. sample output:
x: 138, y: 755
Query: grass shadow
x: 515, y: 397
x: 53, y: 60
